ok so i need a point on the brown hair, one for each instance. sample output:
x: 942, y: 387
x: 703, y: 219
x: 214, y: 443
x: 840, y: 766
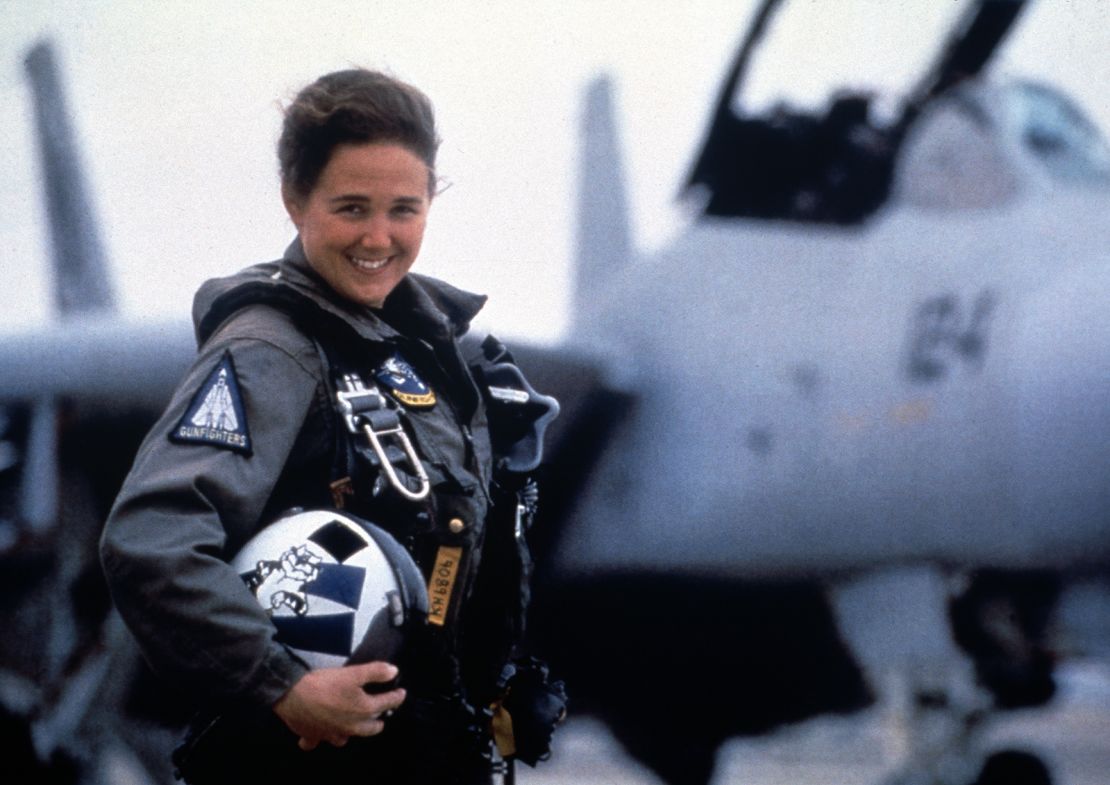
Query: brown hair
x: 356, y: 106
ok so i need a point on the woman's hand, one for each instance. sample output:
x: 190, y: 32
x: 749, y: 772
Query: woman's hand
x: 331, y: 705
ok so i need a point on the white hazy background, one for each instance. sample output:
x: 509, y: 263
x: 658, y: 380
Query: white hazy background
x: 177, y: 110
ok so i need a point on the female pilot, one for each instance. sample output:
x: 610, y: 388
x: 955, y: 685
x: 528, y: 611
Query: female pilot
x: 277, y: 342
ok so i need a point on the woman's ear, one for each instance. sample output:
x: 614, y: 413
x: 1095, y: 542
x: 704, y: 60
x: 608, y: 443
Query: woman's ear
x: 294, y: 205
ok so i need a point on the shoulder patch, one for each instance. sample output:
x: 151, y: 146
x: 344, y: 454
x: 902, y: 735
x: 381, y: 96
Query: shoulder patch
x: 216, y: 415
x: 400, y: 380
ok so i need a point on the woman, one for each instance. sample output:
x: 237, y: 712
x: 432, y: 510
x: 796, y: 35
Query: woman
x: 253, y: 430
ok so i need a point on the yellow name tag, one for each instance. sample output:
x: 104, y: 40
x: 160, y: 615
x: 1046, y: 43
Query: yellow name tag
x: 442, y: 582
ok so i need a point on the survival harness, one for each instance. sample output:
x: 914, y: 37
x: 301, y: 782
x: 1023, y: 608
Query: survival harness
x: 374, y: 453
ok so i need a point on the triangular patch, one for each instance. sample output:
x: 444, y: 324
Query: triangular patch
x: 216, y: 415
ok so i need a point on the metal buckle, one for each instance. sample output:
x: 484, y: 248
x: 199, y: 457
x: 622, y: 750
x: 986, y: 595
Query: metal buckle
x: 357, y: 399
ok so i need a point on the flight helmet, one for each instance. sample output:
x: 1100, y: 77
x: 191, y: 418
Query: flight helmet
x: 339, y: 589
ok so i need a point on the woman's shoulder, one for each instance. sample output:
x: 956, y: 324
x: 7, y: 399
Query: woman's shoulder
x: 258, y: 304
x: 219, y: 299
x: 268, y: 325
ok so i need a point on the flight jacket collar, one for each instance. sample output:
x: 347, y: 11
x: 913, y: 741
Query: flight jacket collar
x: 435, y: 309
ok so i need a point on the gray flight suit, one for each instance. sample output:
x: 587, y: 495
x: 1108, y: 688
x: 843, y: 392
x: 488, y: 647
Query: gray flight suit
x: 189, y: 502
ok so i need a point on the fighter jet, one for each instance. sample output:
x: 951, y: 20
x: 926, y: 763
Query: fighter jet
x: 841, y: 442
x: 850, y: 438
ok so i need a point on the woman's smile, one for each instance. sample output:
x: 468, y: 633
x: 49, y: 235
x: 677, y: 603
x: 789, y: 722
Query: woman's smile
x: 363, y: 223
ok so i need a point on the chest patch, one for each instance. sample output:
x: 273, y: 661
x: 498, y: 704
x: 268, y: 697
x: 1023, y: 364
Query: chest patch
x: 216, y: 415
x: 399, y: 378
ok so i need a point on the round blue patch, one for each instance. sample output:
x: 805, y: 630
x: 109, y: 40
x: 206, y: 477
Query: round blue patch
x: 401, y: 381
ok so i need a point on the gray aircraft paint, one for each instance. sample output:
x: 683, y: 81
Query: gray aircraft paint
x: 933, y: 385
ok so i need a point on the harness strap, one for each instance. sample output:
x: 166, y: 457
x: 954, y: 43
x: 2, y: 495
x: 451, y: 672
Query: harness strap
x: 367, y: 412
x: 364, y: 411
x: 343, y: 457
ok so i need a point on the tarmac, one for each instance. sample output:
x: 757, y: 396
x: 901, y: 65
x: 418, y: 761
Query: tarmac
x: 1071, y: 735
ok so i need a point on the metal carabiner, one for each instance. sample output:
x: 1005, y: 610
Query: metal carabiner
x: 387, y: 465
x: 353, y: 403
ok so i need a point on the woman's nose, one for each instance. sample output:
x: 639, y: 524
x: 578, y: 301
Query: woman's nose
x: 375, y: 234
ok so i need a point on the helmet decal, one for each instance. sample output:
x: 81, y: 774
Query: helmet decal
x: 338, y: 540
x: 333, y: 585
x: 280, y: 582
x: 326, y: 634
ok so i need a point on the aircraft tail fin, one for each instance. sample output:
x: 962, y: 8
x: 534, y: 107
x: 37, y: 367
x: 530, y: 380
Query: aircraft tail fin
x: 604, y: 237
x: 81, y: 281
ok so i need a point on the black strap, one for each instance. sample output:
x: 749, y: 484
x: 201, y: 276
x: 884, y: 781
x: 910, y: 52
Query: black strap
x: 343, y: 455
x: 353, y: 452
x: 518, y: 414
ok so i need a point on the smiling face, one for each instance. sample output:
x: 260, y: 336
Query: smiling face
x: 363, y: 222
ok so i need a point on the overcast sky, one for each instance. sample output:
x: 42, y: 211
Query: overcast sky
x: 177, y: 107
